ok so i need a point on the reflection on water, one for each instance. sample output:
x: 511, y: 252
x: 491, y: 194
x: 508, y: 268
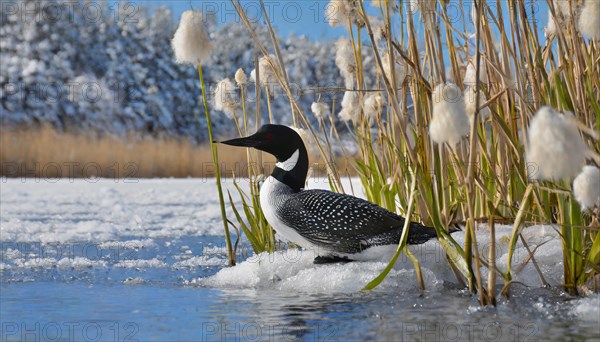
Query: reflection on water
x: 268, y: 314
x: 142, y: 294
x: 172, y: 312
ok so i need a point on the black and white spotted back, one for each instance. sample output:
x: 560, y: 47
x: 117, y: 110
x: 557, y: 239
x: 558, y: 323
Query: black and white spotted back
x: 343, y: 223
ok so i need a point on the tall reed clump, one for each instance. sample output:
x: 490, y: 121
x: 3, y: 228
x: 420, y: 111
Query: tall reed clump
x: 450, y: 133
x: 191, y: 45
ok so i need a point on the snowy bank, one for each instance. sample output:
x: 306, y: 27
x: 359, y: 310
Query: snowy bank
x: 292, y: 270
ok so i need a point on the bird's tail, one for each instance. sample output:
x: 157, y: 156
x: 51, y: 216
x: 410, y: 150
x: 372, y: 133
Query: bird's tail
x: 419, y: 233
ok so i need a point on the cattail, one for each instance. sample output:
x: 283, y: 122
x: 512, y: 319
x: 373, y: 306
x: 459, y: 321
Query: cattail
x: 338, y: 12
x: 378, y: 27
x: 550, y: 29
x: 344, y: 59
x: 450, y: 77
x: 306, y: 139
x: 303, y: 134
x: 470, y: 99
x: 191, y: 42
x: 563, y: 7
x: 586, y: 187
x: 373, y: 102
x: 589, y: 19
x: 474, y: 14
x: 412, y: 6
x: 555, y: 145
x: 225, y: 98
x: 240, y: 77
x: 320, y: 109
x: 268, y: 75
x: 399, y: 69
x: 350, y: 106
x: 450, y: 121
x: 563, y: 10
x: 471, y: 73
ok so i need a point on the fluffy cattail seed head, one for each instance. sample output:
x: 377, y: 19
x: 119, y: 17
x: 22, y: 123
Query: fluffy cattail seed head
x: 304, y: 135
x: 399, y: 68
x: 470, y: 99
x: 320, y: 109
x: 240, y: 77
x: 563, y: 7
x: 225, y: 98
x: 338, y: 12
x: 373, y: 103
x: 350, y: 106
x: 191, y: 42
x: 555, y: 148
x: 589, y: 19
x: 450, y: 121
x: 344, y: 59
x: 550, y: 29
x: 412, y: 6
x: 378, y: 27
x: 471, y: 73
x: 586, y: 187
x: 268, y: 75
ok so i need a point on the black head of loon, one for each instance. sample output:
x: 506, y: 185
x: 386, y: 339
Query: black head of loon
x: 287, y: 147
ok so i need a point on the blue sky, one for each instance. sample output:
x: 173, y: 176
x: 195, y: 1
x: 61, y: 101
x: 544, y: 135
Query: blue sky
x: 302, y: 17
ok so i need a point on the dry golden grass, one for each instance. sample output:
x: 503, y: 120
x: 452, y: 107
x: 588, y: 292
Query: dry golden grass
x: 45, y: 152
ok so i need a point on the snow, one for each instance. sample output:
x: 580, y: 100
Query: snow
x: 141, y: 263
x: 80, y: 263
x: 129, y: 244
x: 199, y: 261
x: 292, y: 270
x: 214, y: 250
x: 64, y: 263
x: 106, y: 211
x: 103, y: 211
x: 588, y: 309
x: 151, y: 232
x: 134, y: 281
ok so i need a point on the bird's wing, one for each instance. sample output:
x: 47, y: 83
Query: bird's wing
x: 344, y: 222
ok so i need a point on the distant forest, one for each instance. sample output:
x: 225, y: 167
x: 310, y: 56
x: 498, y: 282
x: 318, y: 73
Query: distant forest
x: 114, y: 74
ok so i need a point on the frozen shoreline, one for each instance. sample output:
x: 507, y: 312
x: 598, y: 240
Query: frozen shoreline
x: 159, y: 227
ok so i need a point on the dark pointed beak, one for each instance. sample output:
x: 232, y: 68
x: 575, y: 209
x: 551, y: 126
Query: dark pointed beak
x: 250, y: 141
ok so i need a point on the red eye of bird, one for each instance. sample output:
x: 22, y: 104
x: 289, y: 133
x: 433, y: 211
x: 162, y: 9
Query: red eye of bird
x: 268, y: 137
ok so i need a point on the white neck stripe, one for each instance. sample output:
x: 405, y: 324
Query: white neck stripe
x: 290, y: 163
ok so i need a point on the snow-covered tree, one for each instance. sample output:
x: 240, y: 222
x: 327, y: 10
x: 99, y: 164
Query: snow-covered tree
x: 116, y: 74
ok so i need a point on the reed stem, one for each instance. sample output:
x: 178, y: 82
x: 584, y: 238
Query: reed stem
x: 215, y: 157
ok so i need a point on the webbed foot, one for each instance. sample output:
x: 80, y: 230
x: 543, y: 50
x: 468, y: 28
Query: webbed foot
x: 330, y: 259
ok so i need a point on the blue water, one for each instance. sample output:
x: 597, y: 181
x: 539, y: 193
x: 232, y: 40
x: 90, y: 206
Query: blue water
x: 50, y: 303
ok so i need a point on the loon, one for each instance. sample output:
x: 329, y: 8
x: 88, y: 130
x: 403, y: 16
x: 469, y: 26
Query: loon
x: 335, y: 225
